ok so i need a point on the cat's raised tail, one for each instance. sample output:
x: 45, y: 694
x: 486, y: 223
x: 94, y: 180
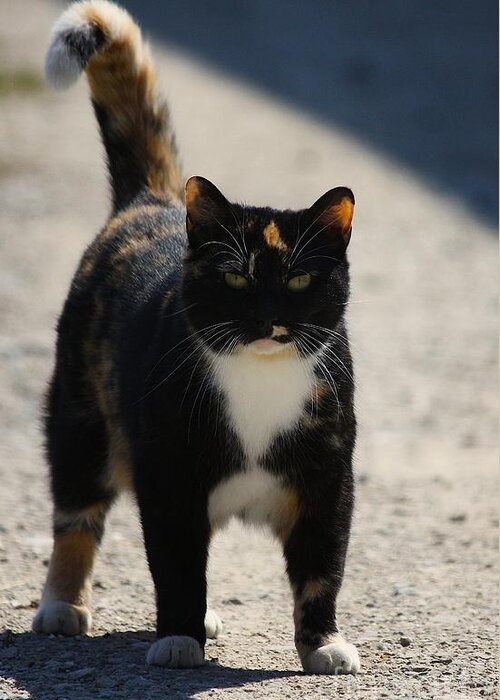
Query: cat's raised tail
x: 100, y: 38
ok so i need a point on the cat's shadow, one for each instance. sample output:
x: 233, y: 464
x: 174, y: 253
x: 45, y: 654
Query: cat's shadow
x: 111, y: 666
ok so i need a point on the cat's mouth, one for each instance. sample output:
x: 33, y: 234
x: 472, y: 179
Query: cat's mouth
x: 266, y: 346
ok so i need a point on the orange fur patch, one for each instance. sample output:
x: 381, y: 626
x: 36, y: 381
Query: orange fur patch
x: 70, y: 569
x: 120, y: 465
x: 272, y: 237
x: 122, y: 80
x: 312, y: 589
x: 287, y: 513
x: 192, y: 192
x: 340, y: 215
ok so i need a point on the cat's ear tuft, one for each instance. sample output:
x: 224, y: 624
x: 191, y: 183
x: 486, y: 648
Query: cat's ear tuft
x: 206, y: 206
x: 333, y: 214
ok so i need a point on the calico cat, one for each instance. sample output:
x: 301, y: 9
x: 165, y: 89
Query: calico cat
x: 202, y: 362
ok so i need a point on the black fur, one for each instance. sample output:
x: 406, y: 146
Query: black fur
x: 84, y: 42
x: 180, y: 446
x: 131, y: 392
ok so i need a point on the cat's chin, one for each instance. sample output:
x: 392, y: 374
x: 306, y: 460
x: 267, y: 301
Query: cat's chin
x: 267, y: 347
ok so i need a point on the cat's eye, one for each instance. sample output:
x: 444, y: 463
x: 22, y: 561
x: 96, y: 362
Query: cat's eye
x: 299, y: 282
x: 232, y: 279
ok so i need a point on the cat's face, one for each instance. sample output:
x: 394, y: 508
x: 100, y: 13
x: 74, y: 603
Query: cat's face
x: 272, y: 281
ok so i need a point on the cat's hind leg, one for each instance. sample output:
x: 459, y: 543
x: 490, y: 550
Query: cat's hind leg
x: 66, y: 599
x: 77, y: 448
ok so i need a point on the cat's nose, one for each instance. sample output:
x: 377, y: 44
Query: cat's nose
x: 266, y: 327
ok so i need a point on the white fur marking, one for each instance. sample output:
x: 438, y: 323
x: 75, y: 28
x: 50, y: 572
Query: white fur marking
x: 213, y: 625
x: 252, y: 495
x: 278, y: 331
x: 175, y: 652
x: 337, y: 657
x: 62, y: 67
x: 59, y: 617
x: 265, y: 396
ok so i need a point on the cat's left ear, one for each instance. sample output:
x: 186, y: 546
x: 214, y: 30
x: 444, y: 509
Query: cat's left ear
x: 206, y: 207
x: 332, y: 213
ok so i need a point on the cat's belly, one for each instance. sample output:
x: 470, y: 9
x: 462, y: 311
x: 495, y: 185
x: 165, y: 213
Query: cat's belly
x: 251, y: 495
x: 255, y: 496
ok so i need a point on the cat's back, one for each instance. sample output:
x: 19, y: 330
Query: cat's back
x: 128, y: 278
x: 139, y: 247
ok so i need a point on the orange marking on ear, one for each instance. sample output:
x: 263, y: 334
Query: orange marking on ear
x: 192, y: 192
x: 340, y: 215
x: 191, y: 195
x: 272, y: 237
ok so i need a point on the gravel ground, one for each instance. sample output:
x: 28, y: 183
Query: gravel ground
x: 420, y: 596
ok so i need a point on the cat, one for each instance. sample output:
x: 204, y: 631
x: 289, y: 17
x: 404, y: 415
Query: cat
x: 202, y: 362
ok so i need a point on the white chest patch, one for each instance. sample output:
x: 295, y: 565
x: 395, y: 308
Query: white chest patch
x: 265, y: 395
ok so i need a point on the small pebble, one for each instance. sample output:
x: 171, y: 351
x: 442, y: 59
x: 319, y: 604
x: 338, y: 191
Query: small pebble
x: 405, y: 641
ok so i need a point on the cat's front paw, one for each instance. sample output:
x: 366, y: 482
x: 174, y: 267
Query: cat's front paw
x: 213, y: 625
x: 176, y: 652
x: 59, y: 617
x: 336, y: 657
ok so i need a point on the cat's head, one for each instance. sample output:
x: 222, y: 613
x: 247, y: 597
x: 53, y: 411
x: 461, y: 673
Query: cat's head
x: 270, y: 280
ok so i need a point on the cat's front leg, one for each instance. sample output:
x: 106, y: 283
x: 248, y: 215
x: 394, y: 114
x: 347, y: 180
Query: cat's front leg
x: 176, y: 536
x: 315, y: 551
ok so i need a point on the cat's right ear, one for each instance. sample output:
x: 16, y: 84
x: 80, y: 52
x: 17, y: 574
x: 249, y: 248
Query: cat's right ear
x: 206, y: 208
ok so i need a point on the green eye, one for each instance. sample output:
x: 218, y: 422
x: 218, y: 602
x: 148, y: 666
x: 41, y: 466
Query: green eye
x: 299, y: 282
x: 235, y: 281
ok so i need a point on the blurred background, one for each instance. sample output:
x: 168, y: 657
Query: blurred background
x: 416, y: 81
x: 277, y: 102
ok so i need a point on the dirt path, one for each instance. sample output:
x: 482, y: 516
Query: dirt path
x: 420, y: 592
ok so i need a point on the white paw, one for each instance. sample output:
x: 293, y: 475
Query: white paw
x: 58, y: 617
x: 213, y: 625
x: 336, y: 657
x: 176, y: 652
